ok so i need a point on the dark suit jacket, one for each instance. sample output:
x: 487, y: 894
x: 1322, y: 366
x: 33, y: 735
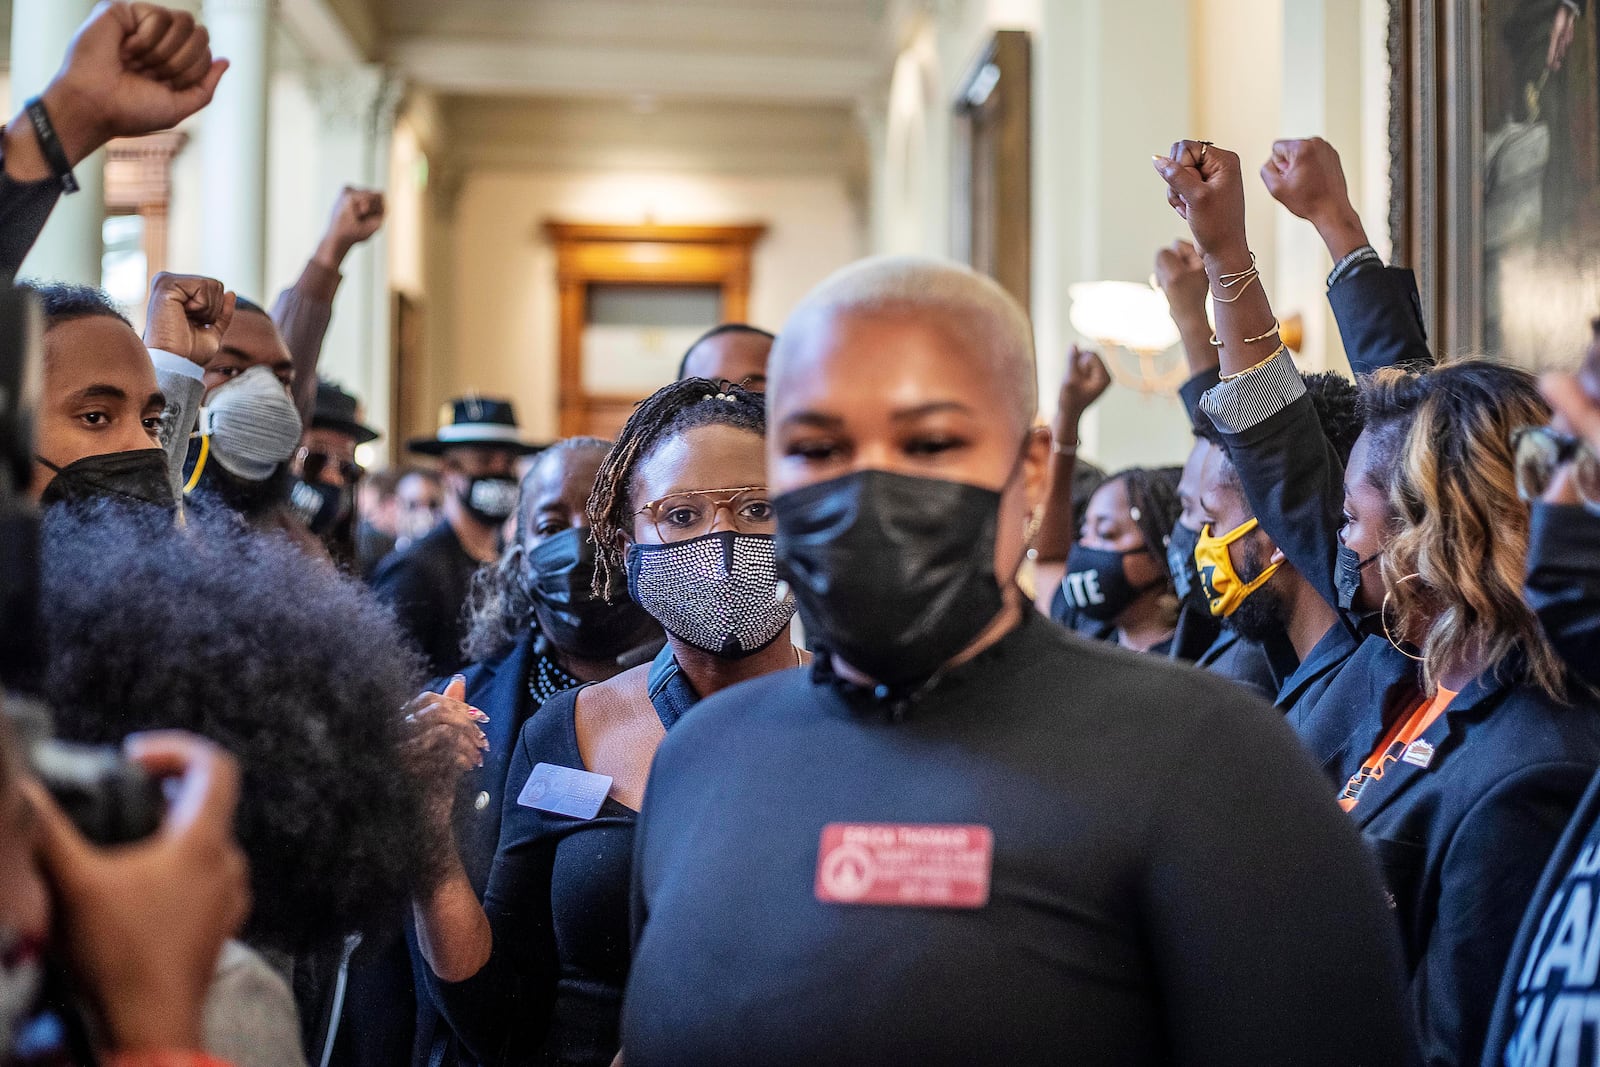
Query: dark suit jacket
x: 1380, y: 319
x: 1462, y: 842
x: 24, y: 209
x: 427, y: 585
x: 1563, y: 584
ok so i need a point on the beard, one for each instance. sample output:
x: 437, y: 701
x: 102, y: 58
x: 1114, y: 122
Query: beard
x: 1263, y: 614
x: 251, y: 500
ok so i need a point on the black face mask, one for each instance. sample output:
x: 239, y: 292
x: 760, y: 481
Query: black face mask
x: 139, y: 476
x: 558, y: 575
x: 1347, y: 575
x: 1181, y: 565
x: 1097, y: 583
x: 319, y: 505
x: 894, y: 574
x: 490, y: 500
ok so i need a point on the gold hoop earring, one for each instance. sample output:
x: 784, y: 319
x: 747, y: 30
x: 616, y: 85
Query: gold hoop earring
x: 1383, y: 615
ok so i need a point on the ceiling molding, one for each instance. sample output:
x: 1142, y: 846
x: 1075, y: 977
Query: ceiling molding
x: 464, y: 65
x: 321, y: 32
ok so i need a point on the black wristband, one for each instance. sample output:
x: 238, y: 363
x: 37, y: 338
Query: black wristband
x: 50, y: 144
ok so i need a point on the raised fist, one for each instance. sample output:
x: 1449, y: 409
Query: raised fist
x: 1306, y: 177
x: 357, y: 215
x: 1085, y: 381
x: 187, y: 316
x: 1206, y: 189
x: 132, y: 69
x: 1181, y: 274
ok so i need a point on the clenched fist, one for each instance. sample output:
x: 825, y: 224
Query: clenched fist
x: 1181, y: 274
x: 132, y: 69
x: 187, y: 316
x: 357, y: 215
x: 1206, y: 188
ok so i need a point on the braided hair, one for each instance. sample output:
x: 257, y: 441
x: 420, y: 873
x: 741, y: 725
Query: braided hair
x: 1153, y: 501
x: 666, y: 413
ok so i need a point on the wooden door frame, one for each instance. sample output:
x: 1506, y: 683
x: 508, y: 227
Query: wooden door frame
x: 595, y: 253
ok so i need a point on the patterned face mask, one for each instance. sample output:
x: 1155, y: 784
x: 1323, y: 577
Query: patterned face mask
x: 718, y: 593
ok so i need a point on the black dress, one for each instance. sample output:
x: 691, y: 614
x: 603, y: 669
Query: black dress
x: 557, y: 902
x: 1171, y: 881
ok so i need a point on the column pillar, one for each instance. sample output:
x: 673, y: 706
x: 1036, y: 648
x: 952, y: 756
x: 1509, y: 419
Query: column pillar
x: 356, y: 106
x: 234, y: 148
x: 70, y: 247
x: 1322, y: 98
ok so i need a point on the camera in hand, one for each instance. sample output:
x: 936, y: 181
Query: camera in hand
x: 110, y: 800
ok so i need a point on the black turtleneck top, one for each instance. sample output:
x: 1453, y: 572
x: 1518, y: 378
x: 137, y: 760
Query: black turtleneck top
x: 1171, y: 881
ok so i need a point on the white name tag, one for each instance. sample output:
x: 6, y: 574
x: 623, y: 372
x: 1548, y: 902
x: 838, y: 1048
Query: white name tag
x: 1418, y: 754
x: 565, y: 791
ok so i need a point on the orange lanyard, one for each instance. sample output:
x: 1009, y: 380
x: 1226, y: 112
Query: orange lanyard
x: 1394, y: 744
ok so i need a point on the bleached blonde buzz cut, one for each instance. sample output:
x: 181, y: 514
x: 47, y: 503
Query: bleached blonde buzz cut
x: 980, y: 316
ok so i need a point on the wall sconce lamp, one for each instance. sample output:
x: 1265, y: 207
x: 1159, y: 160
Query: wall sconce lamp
x: 1134, y: 329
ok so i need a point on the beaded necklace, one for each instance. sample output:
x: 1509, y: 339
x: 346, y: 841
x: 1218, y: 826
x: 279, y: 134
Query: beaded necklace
x: 547, y: 679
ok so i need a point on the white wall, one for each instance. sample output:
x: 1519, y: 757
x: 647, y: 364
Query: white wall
x: 505, y: 332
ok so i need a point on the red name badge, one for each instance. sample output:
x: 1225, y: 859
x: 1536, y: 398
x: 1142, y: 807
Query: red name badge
x: 912, y: 866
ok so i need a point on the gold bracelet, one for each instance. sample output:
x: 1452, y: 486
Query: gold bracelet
x: 1251, y: 370
x: 1224, y: 279
x: 1234, y: 299
x: 1276, y: 326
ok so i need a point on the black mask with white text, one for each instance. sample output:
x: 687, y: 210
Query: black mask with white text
x: 1096, y: 582
x: 320, y: 506
x: 1183, y: 568
x: 894, y: 574
x: 490, y: 499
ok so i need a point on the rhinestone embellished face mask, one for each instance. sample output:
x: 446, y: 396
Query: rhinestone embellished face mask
x: 718, y: 593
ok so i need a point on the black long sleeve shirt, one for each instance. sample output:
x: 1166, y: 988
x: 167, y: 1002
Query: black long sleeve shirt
x: 1171, y: 881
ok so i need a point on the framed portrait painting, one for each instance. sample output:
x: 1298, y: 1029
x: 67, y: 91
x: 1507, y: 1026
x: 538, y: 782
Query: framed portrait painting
x: 1495, y: 128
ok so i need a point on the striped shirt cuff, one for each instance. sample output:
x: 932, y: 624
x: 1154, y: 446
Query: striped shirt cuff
x: 1254, y: 396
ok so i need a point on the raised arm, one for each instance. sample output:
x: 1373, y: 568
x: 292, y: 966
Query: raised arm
x: 1290, y: 473
x: 1563, y: 582
x: 184, y: 324
x: 1181, y: 274
x: 302, y: 311
x: 132, y: 69
x: 1085, y: 381
x: 1377, y: 307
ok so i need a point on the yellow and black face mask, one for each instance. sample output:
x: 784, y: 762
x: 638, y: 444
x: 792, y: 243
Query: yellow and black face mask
x: 1221, y: 585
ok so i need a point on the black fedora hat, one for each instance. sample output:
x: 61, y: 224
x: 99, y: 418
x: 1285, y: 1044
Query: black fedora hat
x: 474, y: 420
x: 340, y: 411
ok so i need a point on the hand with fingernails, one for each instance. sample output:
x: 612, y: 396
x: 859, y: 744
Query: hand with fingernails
x: 445, y: 741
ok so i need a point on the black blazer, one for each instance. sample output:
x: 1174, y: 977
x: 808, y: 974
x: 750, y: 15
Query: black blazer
x: 1563, y: 584
x: 1380, y: 319
x: 1462, y: 842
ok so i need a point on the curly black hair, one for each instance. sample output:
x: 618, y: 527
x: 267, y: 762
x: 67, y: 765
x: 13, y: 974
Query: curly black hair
x: 1337, y: 402
x: 498, y: 605
x: 666, y: 413
x: 242, y: 638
